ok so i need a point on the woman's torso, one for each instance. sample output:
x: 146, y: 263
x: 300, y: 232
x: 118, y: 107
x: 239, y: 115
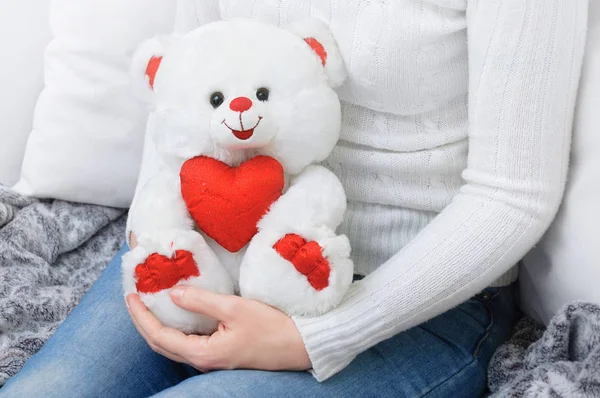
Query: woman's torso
x: 404, y: 130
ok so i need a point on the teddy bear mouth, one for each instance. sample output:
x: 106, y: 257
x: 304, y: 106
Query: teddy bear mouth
x: 243, y: 134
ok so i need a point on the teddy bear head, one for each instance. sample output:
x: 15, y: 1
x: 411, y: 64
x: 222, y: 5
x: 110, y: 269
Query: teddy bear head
x: 240, y: 88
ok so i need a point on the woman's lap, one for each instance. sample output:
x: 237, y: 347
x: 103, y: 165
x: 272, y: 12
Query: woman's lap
x: 98, y: 352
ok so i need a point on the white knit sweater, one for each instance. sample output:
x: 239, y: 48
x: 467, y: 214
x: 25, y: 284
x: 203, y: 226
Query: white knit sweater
x: 455, y: 143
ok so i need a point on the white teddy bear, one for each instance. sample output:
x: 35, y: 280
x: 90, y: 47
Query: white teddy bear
x: 243, y: 114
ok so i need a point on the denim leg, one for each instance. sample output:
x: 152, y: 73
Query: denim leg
x: 96, y: 352
x: 445, y: 357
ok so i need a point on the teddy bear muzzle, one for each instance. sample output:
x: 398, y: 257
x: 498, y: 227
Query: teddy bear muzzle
x: 243, y: 134
x: 245, y: 119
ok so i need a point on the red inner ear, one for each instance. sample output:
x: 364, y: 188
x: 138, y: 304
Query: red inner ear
x: 152, y: 68
x: 318, y: 48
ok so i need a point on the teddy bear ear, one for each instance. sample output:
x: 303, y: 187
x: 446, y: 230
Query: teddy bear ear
x: 318, y: 37
x: 146, y: 64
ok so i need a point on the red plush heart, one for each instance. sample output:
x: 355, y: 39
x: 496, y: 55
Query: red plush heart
x: 307, y: 258
x: 159, y: 272
x: 227, y: 202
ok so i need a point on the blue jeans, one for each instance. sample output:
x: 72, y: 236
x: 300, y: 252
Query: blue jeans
x: 97, y: 352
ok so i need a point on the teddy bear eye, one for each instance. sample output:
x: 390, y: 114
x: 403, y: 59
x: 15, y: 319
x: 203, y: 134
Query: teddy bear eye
x: 216, y: 99
x: 262, y: 94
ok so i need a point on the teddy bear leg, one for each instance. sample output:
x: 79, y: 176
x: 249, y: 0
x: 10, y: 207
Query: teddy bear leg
x: 301, y: 273
x: 167, y: 259
x: 296, y: 262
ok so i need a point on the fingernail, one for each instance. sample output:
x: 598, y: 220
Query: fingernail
x: 177, y: 292
x: 126, y: 303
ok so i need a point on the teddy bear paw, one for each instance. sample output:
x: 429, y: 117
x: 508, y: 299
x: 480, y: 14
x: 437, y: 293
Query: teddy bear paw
x: 301, y: 274
x: 167, y: 259
x: 159, y: 272
x: 307, y: 258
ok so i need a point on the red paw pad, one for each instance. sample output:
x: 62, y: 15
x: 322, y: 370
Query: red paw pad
x: 307, y: 258
x: 159, y: 272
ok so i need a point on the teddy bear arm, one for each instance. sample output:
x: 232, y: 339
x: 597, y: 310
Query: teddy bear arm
x: 159, y: 207
x: 315, y: 197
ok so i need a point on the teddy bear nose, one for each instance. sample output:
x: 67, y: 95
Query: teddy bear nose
x: 240, y: 104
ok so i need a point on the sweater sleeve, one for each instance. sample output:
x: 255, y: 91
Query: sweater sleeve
x: 525, y: 58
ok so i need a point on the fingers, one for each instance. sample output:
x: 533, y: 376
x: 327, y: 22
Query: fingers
x: 157, y: 349
x: 165, y: 341
x: 149, y: 328
x: 217, y: 306
x: 132, y: 240
x: 142, y: 332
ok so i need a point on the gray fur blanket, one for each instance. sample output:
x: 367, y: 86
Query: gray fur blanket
x: 562, y: 361
x: 51, y: 252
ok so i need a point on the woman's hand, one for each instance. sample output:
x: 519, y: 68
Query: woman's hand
x: 251, y: 335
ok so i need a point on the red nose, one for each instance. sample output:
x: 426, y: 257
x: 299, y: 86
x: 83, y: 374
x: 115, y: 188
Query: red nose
x: 240, y: 104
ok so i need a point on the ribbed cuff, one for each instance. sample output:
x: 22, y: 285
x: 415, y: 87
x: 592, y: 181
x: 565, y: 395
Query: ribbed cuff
x: 334, y: 339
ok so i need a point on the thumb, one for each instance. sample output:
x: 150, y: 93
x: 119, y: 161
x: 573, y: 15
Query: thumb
x: 203, y: 302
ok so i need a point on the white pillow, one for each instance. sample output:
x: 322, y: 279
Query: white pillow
x: 88, y: 128
x: 24, y: 33
x: 565, y: 266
